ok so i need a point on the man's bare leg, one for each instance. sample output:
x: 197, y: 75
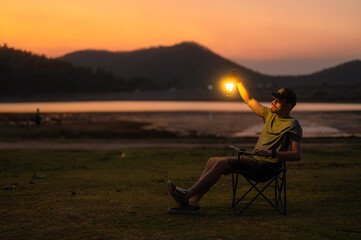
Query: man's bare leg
x: 213, y: 170
x: 210, y: 163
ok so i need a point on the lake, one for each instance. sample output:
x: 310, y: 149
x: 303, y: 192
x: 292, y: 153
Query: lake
x: 161, y: 106
x: 205, y: 118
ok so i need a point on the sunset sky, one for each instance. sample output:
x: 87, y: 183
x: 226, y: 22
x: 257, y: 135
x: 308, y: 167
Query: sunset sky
x: 275, y: 37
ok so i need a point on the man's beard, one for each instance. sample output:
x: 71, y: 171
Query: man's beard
x: 274, y: 109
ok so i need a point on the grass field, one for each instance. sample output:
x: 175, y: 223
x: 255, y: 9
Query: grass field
x: 123, y: 195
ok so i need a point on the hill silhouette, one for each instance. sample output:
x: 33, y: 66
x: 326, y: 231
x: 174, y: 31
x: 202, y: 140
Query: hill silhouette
x: 189, y: 65
x: 186, y: 65
x: 181, y: 72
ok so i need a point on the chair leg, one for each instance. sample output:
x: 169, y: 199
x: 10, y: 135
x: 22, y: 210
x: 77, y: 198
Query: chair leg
x: 234, y: 188
x: 280, y: 193
x: 253, y: 186
x: 260, y: 192
x: 284, y: 193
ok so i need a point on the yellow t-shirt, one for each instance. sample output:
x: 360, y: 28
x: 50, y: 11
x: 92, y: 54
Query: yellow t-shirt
x: 277, y: 134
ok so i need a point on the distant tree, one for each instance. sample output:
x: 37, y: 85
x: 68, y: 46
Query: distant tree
x: 23, y: 73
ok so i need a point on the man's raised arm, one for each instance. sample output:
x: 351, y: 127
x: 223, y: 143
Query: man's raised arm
x: 246, y: 96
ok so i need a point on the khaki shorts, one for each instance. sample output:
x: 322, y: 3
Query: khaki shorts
x: 253, y: 168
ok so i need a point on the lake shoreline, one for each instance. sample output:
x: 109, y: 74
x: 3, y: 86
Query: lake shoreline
x: 205, y: 126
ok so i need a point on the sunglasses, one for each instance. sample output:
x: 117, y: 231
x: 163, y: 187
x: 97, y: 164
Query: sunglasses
x: 277, y: 100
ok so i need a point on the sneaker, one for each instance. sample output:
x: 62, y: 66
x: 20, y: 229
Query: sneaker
x: 189, y: 210
x: 179, y: 194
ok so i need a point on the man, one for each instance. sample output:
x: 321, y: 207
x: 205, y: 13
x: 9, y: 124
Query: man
x: 280, y: 140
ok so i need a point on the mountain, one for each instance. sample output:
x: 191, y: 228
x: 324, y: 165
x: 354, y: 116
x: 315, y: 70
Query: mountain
x: 23, y: 73
x: 181, y: 72
x: 345, y: 74
x: 339, y: 83
x: 186, y: 65
x: 189, y: 65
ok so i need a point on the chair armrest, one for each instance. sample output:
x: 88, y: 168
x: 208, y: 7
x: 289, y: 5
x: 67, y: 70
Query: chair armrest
x: 240, y: 151
x: 237, y: 149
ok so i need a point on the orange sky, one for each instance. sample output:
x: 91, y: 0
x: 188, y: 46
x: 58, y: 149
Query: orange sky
x: 236, y: 29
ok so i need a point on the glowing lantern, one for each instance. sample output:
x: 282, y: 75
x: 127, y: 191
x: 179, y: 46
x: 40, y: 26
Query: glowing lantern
x: 229, y: 87
x: 228, y: 84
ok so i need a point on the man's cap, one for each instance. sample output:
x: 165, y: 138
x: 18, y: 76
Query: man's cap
x: 285, y: 94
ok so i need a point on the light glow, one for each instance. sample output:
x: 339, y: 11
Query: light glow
x: 229, y: 87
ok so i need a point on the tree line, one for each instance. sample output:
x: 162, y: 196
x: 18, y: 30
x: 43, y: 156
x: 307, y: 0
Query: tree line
x: 25, y: 73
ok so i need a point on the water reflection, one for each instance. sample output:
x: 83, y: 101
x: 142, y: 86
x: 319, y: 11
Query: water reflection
x: 161, y: 106
x: 197, y: 118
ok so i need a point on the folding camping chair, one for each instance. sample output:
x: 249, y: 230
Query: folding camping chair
x: 278, y: 177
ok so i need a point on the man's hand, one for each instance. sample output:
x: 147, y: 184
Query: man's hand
x: 234, y: 74
x: 262, y: 152
x: 294, y: 154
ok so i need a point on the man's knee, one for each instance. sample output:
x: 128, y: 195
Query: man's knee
x: 222, y: 163
x: 213, y: 160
